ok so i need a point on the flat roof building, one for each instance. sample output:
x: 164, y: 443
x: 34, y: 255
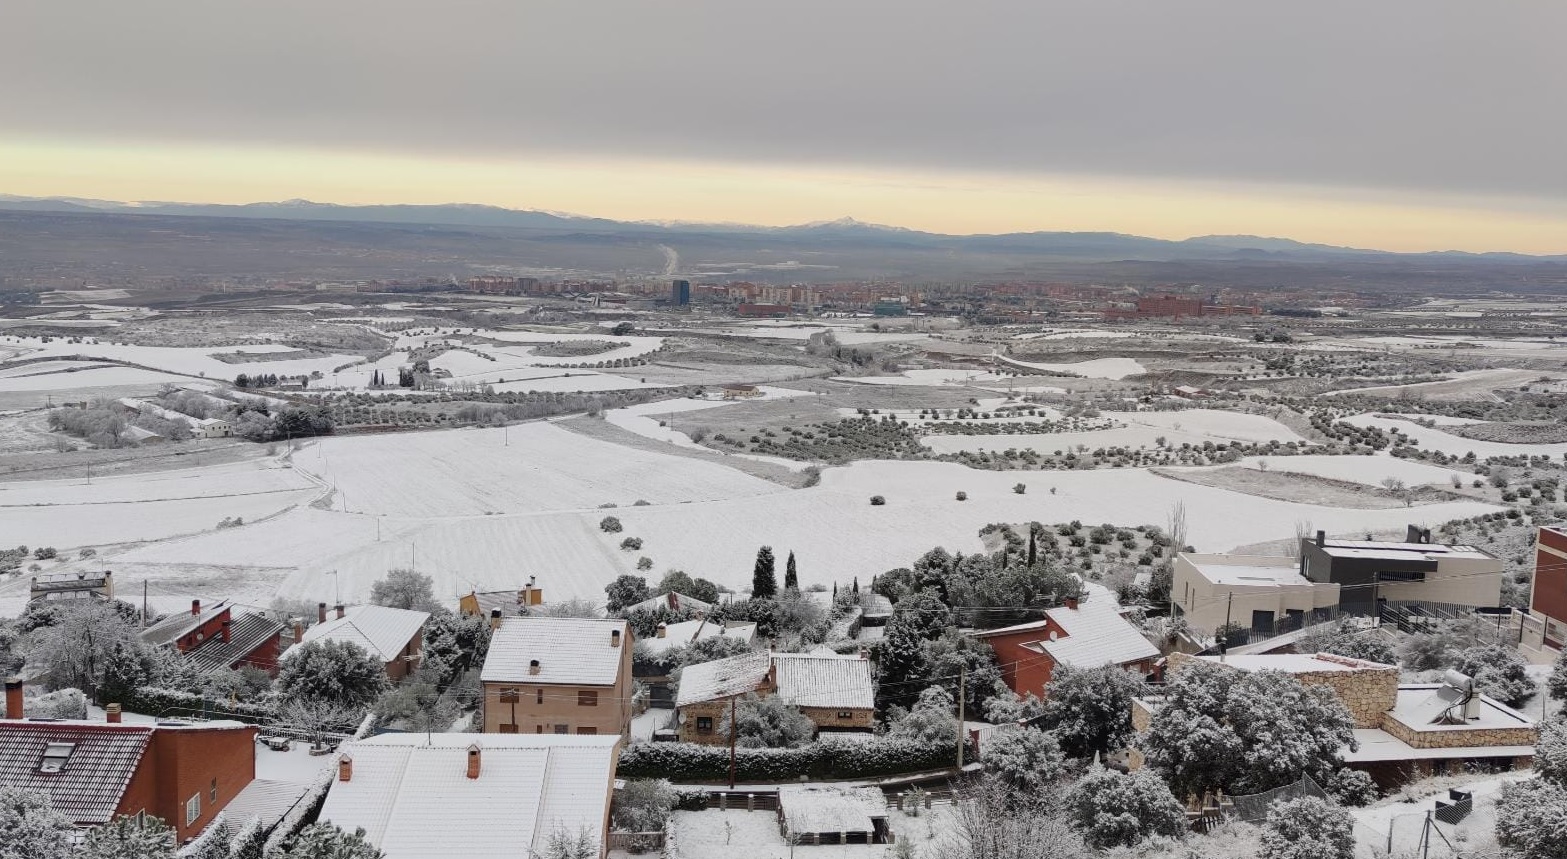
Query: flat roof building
x: 1267, y: 595
x: 1369, y: 572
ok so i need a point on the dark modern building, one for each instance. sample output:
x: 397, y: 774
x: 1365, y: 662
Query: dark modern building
x: 1370, y: 572
x: 680, y: 292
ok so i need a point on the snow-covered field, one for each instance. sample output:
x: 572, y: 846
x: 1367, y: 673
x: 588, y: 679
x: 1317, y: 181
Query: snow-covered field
x: 1098, y: 368
x: 1466, y: 384
x: 1370, y: 470
x: 644, y: 419
x: 1435, y: 439
x: 197, y: 361
x: 74, y: 375
x: 155, y: 506
x: 1144, y: 429
x: 527, y: 468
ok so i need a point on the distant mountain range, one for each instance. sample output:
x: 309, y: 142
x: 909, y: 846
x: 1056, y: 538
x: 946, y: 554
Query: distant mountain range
x: 1081, y: 246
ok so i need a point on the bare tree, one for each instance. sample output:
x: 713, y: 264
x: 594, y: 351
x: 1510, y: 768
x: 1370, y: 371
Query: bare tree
x: 994, y: 822
x: 1176, y: 526
x: 1302, y: 532
x: 318, y: 719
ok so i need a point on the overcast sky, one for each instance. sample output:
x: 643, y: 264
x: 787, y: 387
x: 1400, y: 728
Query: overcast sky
x: 1395, y: 105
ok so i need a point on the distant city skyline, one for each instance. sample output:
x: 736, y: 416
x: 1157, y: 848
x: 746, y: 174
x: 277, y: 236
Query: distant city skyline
x: 1407, y: 125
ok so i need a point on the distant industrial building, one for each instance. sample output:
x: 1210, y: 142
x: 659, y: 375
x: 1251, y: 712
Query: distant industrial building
x: 680, y: 292
x: 1180, y: 306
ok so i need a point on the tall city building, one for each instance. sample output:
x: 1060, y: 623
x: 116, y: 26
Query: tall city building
x: 680, y: 292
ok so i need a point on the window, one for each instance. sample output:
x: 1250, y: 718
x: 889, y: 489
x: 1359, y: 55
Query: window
x: 213, y: 796
x: 562, y: 729
x: 704, y: 724
x: 55, y: 755
x: 192, y: 809
x: 845, y: 714
x: 539, y: 696
x: 508, y: 729
x: 586, y: 730
x: 587, y: 699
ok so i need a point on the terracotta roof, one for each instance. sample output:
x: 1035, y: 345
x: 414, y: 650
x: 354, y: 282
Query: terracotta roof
x: 180, y: 624
x: 93, y: 775
x: 246, y: 635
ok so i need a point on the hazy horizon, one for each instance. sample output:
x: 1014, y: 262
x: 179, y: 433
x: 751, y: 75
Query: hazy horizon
x: 1406, y: 126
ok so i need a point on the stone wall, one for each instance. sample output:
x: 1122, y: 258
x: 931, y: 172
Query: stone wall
x: 1459, y: 736
x: 1366, y: 692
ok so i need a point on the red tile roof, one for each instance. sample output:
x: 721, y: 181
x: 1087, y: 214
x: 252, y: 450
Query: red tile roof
x: 88, y: 788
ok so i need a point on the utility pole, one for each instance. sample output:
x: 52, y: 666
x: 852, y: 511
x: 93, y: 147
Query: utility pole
x: 144, y: 604
x: 962, y: 693
x: 1224, y: 644
x: 732, y: 733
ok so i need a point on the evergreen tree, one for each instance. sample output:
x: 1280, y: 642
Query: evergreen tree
x: 764, y: 578
x: 130, y: 838
x: 791, y: 575
x: 30, y: 828
x: 325, y: 841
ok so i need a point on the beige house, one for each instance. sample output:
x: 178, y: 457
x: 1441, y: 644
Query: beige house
x: 1263, y: 593
x: 558, y: 675
x: 837, y: 693
x: 1402, y: 732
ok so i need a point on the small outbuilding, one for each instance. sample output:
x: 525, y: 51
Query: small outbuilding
x: 833, y: 815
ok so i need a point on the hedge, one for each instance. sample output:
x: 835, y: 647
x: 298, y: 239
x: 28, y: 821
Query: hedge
x: 829, y: 759
x: 174, y: 704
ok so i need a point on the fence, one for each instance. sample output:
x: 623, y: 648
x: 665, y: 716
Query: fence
x: 1253, y: 808
x: 637, y: 842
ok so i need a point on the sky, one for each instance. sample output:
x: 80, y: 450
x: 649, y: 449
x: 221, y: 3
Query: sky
x: 1399, y: 124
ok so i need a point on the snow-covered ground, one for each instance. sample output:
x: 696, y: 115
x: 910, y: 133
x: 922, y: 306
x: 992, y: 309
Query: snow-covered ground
x: 1436, y: 439
x: 193, y: 361
x: 1405, y: 821
x: 1098, y: 368
x: 527, y: 468
x: 644, y: 419
x: 81, y: 375
x: 138, y: 507
x: 715, y: 834
x: 1370, y: 470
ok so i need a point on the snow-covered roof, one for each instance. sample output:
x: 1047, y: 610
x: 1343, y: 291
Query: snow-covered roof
x: 803, y: 679
x: 412, y: 795
x: 720, y: 678
x: 1420, y: 706
x: 830, y: 809
x: 823, y: 680
x: 1092, y: 634
x: 1399, y: 551
x: 568, y: 649
x: 685, y: 632
x: 380, y: 631
x: 673, y: 600
x: 1375, y: 744
x: 1250, y: 571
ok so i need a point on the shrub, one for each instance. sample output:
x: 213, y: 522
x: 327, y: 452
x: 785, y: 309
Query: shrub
x: 962, y: 496
x: 610, y: 525
x: 877, y: 501
x: 1308, y: 828
x: 693, y: 762
x: 631, y: 544
x: 1112, y: 809
x: 1020, y: 488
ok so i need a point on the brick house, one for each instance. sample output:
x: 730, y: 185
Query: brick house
x: 1402, y: 732
x: 1548, y: 593
x: 1083, y: 634
x: 183, y: 774
x: 395, y: 636
x: 214, y: 640
x: 558, y: 675
x: 837, y: 693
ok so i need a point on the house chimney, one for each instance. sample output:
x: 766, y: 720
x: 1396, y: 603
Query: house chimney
x: 533, y: 666
x: 1322, y: 539
x: 614, y: 638
x: 225, y: 632
x: 339, y: 611
x: 345, y: 768
x: 473, y: 761
x: 320, y: 612
x: 111, y: 713
x: 299, y: 629
x: 663, y: 630
x: 495, y: 618
x: 195, y: 607
x: 1071, y: 603
x: 13, y: 698
x: 865, y: 653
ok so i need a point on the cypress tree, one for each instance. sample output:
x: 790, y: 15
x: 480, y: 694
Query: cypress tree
x: 791, y: 575
x: 764, y: 577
